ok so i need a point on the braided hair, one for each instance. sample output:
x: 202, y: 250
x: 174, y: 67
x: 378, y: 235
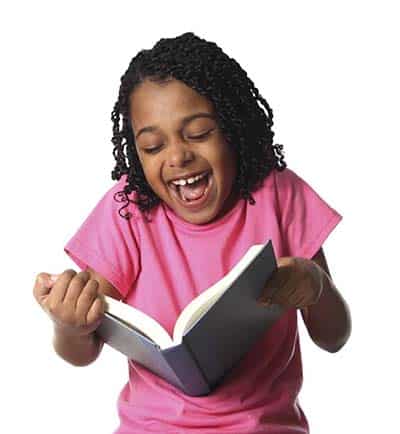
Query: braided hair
x: 204, y: 67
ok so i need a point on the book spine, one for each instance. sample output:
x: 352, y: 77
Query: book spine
x: 182, y: 362
x: 136, y: 347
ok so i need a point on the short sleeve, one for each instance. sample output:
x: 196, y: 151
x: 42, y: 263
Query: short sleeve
x: 306, y: 219
x: 108, y: 243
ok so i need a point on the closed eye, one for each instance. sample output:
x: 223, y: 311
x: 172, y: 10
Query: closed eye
x: 152, y: 150
x: 201, y: 136
x: 157, y: 148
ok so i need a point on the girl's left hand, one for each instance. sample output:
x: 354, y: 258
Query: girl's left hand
x: 297, y: 282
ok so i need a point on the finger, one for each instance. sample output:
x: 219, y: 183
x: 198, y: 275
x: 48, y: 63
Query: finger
x: 280, y: 298
x: 296, y: 300
x: 278, y: 281
x: 41, y: 287
x: 75, y: 288
x: 304, y: 301
x: 287, y: 286
x: 273, y: 294
x: 290, y: 291
x: 267, y: 297
x: 86, y: 299
x: 96, y: 311
x: 61, y: 285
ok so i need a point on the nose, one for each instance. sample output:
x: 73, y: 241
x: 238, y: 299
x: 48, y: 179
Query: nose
x: 179, y: 154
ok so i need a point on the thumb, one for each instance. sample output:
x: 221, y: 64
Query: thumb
x: 42, y: 286
x: 46, y: 279
x: 53, y: 277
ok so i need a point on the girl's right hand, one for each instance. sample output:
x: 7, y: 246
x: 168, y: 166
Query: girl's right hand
x: 72, y: 301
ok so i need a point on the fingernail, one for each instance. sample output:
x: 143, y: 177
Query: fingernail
x: 53, y: 277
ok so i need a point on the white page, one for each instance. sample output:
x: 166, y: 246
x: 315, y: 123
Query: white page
x: 200, y: 305
x: 139, y: 320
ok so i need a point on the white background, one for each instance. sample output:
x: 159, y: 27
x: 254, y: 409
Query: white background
x: 328, y: 69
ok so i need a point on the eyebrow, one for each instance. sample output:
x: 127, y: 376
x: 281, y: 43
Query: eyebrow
x: 185, y: 121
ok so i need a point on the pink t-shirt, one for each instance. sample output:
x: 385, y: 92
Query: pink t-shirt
x: 159, y: 267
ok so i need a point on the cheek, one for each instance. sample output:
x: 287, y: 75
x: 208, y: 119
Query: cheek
x: 149, y: 173
x: 229, y: 163
x: 223, y: 158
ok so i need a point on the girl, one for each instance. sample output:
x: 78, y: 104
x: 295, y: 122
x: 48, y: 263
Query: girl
x: 193, y: 146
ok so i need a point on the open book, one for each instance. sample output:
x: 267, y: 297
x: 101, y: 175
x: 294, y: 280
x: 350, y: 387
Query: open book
x: 210, y: 335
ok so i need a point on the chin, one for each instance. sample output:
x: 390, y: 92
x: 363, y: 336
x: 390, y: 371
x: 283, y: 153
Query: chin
x: 197, y: 219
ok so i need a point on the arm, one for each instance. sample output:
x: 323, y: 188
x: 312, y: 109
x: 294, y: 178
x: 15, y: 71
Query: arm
x: 328, y: 322
x: 78, y: 350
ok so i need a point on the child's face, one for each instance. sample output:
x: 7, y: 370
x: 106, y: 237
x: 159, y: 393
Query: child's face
x: 173, y: 149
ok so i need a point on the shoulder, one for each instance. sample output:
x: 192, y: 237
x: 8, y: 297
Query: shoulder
x: 280, y: 183
x: 291, y: 187
x: 286, y: 179
x: 113, y: 219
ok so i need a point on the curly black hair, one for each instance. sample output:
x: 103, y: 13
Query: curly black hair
x: 204, y: 67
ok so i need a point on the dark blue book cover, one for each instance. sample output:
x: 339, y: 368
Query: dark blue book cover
x: 215, y: 343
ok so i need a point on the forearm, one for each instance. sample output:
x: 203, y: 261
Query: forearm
x: 328, y: 321
x: 77, y: 350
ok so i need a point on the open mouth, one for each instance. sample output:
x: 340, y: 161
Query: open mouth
x: 194, y: 194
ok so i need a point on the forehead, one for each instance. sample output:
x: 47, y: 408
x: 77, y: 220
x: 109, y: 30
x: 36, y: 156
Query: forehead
x: 153, y: 103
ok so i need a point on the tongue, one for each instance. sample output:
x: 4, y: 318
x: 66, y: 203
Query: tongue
x: 194, y: 191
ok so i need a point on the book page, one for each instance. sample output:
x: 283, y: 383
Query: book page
x: 200, y: 305
x: 138, y: 320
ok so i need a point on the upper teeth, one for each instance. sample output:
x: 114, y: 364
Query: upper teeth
x: 189, y: 180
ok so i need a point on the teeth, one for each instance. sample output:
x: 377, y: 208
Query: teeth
x: 189, y: 180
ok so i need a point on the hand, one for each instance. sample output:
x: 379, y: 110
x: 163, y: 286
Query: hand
x: 297, y: 282
x: 72, y: 301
